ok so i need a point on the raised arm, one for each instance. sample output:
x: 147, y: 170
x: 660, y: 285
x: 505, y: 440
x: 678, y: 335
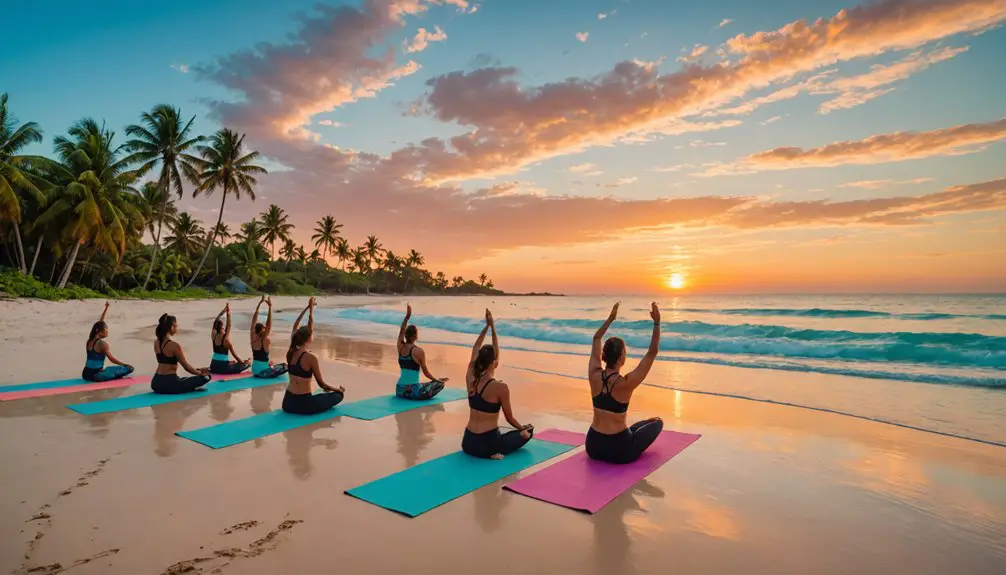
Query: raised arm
x: 227, y: 328
x: 296, y: 324
x: 405, y: 324
x: 219, y: 315
x: 310, y: 315
x: 254, y: 318
x: 496, y: 341
x: 104, y: 312
x: 268, y: 320
x: 638, y: 375
x: 479, y: 341
x: 595, y: 346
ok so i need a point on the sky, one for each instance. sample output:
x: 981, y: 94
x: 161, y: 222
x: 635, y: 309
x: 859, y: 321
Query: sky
x: 578, y: 146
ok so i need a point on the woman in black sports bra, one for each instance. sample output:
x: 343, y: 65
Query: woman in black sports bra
x: 260, y: 344
x: 411, y: 359
x: 223, y: 349
x: 169, y: 354
x: 97, y: 350
x: 609, y: 439
x: 301, y: 366
x: 486, y: 396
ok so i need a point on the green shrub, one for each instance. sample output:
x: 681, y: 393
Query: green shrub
x: 18, y: 285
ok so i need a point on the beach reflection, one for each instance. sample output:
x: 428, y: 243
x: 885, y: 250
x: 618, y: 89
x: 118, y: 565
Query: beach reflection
x: 613, y: 529
x: 356, y: 352
x: 415, y: 432
x: 298, y: 447
x: 169, y: 418
x: 220, y: 407
x: 490, y: 501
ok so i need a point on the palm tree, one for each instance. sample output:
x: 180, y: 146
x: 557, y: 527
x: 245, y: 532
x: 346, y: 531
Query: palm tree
x: 173, y: 269
x: 414, y: 259
x: 482, y: 279
x: 489, y: 284
x: 457, y: 281
x: 373, y: 249
x: 228, y: 167
x: 94, y: 198
x: 223, y: 232
x: 187, y: 236
x: 15, y: 171
x: 156, y: 205
x: 326, y: 235
x: 289, y: 250
x: 162, y: 137
x: 392, y: 263
x: 441, y: 280
x: 250, y: 232
x: 301, y: 256
x: 343, y: 251
x: 275, y: 227
x: 253, y: 270
x: 315, y: 257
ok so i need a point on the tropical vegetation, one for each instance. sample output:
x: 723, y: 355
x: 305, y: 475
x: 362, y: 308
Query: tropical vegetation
x: 100, y: 216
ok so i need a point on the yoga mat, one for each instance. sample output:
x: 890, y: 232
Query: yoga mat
x: 219, y: 384
x: 583, y: 484
x: 81, y: 385
x: 242, y: 430
x: 44, y: 385
x: 418, y: 489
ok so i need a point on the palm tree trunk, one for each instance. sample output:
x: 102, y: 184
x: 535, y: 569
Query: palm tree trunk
x: 34, y: 258
x: 157, y: 240
x: 213, y: 238
x: 65, y: 276
x: 20, y: 249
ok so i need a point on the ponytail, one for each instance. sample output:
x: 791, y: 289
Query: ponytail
x: 298, y: 339
x: 411, y: 334
x: 163, y: 327
x: 485, y: 359
x: 612, y: 351
x: 98, y: 327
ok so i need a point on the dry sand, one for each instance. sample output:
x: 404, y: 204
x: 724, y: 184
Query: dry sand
x: 767, y: 489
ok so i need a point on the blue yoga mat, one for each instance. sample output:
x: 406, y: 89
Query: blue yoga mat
x: 45, y: 384
x: 242, y: 430
x: 449, y: 477
x: 151, y: 398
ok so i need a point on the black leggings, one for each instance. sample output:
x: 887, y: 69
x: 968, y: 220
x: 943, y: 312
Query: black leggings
x: 272, y: 372
x: 309, y: 404
x: 625, y: 446
x: 173, y: 385
x: 227, y: 367
x: 493, y: 442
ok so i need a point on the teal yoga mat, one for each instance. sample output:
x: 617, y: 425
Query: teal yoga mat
x: 45, y: 384
x: 449, y: 477
x: 242, y: 430
x: 151, y: 399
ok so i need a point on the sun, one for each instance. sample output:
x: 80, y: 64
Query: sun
x: 676, y: 281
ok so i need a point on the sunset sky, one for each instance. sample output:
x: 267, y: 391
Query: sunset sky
x: 580, y: 146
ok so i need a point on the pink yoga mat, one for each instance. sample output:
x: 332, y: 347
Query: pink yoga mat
x: 115, y: 383
x: 581, y: 483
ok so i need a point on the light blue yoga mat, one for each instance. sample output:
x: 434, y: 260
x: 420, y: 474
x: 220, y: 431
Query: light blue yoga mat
x: 241, y: 430
x: 418, y: 489
x: 45, y: 384
x: 151, y: 398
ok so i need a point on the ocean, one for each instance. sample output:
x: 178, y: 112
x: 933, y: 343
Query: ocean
x: 937, y: 363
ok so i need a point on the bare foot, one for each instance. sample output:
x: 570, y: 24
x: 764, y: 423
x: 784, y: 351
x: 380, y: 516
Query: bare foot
x: 497, y: 456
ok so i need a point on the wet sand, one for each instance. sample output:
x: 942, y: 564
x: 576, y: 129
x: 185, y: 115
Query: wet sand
x: 767, y: 489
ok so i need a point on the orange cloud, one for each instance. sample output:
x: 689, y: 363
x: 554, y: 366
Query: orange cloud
x: 423, y: 39
x: 695, y: 54
x: 883, y: 148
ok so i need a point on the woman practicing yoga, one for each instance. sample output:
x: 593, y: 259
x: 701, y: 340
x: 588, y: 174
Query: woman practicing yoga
x: 260, y: 344
x: 608, y: 438
x: 485, y: 398
x: 412, y: 358
x: 97, y: 350
x: 301, y: 365
x: 220, y: 335
x: 169, y: 354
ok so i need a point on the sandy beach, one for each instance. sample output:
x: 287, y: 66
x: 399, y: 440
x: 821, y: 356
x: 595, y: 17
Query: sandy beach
x: 768, y: 489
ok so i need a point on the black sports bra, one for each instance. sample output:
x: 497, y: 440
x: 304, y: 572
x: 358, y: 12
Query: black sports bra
x: 260, y: 354
x: 161, y: 358
x: 221, y: 349
x: 409, y: 362
x: 605, y: 400
x: 295, y: 368
x: 479, y: 403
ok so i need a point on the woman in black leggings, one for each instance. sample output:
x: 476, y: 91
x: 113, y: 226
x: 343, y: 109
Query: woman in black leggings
x: 169, y: 354
x: 486, y: 396
x: 223, y: 349
x: 301, y: 366
x: 609, y: 439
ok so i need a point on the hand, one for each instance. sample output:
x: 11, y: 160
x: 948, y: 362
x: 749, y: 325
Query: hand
x: 525, y: 431
x: 203, y: 371
x: 311, y: 302
x: 614, y: 311
x: 444, y: 379
x: 107, y: 304
x: 408, y: 310
x: 268, y: 301
x: 262, y: 300
x: 654, y: 312
x: 227, y: 308
x: 489, y: 317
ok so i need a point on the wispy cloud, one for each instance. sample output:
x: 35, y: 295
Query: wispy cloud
x: 697, y: 51
x: 331, y: 124
x: 771, y: 120
x: 878, y: 184
x: 620, y: 182
x: 183, y: 68
x: 423, y: 38
x: 581, y: 168
x: 603, y: 15
x: 880, y: 149
x: 724, y: 22
x: 582, y: 36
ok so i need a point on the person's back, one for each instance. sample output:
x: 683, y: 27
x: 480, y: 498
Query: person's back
x: 302, y: 367
x: 412, y: 360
